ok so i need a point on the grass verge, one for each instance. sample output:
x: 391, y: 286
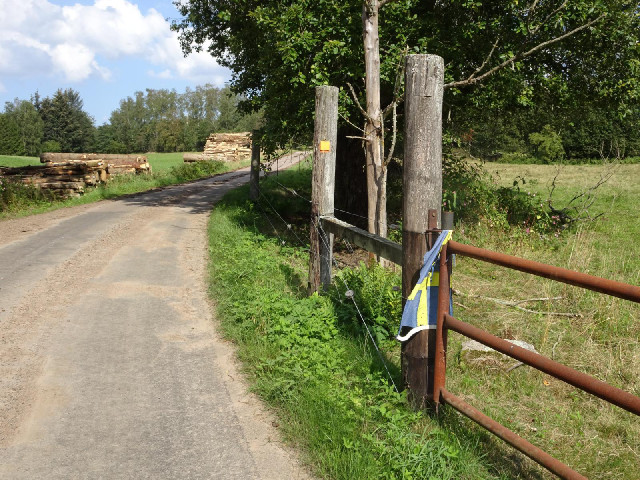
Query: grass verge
x: 310, y: 359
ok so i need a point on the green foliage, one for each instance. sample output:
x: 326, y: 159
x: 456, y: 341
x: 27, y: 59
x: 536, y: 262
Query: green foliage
x: 15, y: 196
x: 52, y: 146
x: 29, y: 123
x: 378, y: 291
x: 168, y: 121
x: 547, y: 145
x: 10, y: 143
x: 308, y: 358
x: 279, y: 52
x: 65, y: 122
x: 192, y: 171
x: 473, y: 195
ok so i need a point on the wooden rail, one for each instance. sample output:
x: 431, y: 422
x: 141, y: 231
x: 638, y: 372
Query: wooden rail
x: 373, y: 243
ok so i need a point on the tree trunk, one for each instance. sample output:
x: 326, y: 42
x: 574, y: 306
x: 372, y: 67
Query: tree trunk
x: 373, y: 129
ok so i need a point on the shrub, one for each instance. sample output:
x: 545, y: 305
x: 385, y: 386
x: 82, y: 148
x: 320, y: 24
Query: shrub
x: 547, y: 145
x: 52, y: 146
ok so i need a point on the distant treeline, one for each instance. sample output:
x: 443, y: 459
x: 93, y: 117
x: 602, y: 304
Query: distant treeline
x: 150, y: 121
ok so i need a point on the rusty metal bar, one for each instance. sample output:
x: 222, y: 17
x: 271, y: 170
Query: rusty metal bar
x: 536, y: 454
x: 440, y: 361
x: 597, y: 284
x: 589, y: 384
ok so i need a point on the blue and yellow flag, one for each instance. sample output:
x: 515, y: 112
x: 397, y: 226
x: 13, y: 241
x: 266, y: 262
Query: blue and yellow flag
x: 421, y: 310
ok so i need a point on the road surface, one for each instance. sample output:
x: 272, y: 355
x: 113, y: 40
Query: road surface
x: 110, y: 364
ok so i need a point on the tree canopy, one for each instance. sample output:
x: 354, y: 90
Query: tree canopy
x: 498, y: 55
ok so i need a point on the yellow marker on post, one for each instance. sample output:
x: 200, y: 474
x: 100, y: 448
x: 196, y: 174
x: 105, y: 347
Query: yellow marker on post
x: 325, y: 146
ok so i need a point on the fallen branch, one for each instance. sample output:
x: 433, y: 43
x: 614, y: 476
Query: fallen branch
x: 516, y: 304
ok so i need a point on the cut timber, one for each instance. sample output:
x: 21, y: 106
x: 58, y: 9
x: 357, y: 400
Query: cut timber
x: 225, y: 147
x: 105, y: 157
x: 194, y: 157
x: 67, y: 174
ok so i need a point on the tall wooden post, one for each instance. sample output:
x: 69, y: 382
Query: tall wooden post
x: 422, y: 191
x: 323, y: 185
x: 254, y: 174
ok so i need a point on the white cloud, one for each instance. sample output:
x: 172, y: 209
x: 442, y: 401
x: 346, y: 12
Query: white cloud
x: 164, y: 74
x: 38, y: 37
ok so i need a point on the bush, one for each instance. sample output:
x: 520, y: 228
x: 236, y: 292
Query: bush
x: 51, y: 146
x: 547, y: 145
x: 16, y: 195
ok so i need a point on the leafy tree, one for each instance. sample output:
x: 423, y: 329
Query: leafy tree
x: 165, y: 120
x: 10, y: 141
x: 66, y: 122
x: 277, y: 52
x: 547, y: 145
x: 30, y: 125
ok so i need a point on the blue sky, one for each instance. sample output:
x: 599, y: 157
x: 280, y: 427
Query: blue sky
x: 104, y: 49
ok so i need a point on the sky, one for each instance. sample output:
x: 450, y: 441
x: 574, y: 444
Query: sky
x: 104, y: 49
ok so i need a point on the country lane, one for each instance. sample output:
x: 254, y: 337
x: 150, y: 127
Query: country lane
x: 110, y: 363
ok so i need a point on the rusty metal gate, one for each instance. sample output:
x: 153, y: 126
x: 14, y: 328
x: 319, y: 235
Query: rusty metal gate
x: 573, y: 377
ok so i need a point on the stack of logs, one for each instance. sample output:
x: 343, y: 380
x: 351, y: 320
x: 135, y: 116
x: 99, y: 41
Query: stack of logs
x: 67, y: 174
x: 226, y: 147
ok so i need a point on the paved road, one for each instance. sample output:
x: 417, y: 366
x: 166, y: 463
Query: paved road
x: 110, y: 366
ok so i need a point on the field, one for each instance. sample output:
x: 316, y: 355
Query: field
x: 11, y: 161
x: 319, y: 372
x: 590, y: 332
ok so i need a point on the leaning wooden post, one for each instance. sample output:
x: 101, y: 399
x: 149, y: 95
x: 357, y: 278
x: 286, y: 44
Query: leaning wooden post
x: 323, y: 185
x: 422, y: 191
x: 254, y: 175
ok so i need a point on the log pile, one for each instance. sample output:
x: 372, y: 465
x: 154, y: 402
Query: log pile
x: 224, y: 146
x: 67, y: 174
x: 114, y: 164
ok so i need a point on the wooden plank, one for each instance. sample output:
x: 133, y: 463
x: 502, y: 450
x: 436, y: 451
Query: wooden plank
x: 373, y: 243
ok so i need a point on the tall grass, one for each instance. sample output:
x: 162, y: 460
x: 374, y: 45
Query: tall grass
x: 600, y: 338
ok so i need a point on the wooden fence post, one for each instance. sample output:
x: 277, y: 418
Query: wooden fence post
x: 323, y: 185
x: 254, y: 175
x: 422, y: 191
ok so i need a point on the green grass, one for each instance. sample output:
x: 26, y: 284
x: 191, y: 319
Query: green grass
x: 599, y: 440
x: 161, y: 162
x: 309, y: 357
x: 12, y: 161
